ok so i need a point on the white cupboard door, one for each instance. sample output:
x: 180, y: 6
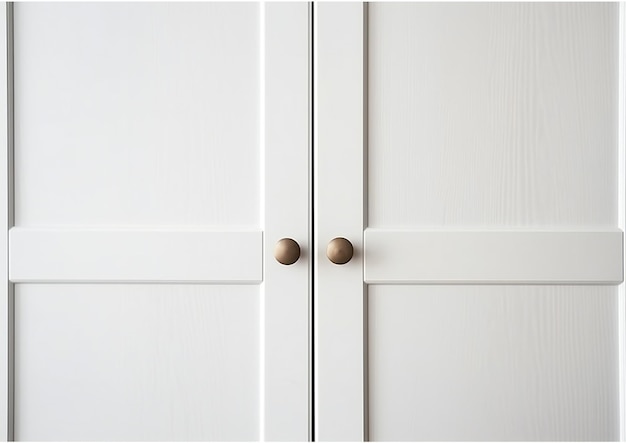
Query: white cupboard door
x: 470, y: 154
x: 160, y: 151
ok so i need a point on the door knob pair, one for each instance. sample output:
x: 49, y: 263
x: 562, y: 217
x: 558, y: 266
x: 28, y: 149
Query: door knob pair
x: 338, y: 251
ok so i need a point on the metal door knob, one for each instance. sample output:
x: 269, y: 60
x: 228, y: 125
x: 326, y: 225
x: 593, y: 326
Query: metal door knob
x: 287, y: 251
x: 339, y: 251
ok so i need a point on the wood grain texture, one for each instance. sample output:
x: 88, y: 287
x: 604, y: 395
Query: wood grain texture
x: 123, y: 255
x: 499, y: 363
x: 136, y: 362
x: 138, y: 113
x: 493, y: 114
x: 474, y: 257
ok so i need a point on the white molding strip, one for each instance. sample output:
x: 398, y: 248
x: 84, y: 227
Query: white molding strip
x: 493, y: 257
x: 262, y: 207
x: 139, y: 256
x: 621, y: 205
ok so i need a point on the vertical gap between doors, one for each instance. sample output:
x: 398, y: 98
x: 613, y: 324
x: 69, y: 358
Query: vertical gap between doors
x: 311, y: 233
x: 11, y: 222
x: 621, y: 204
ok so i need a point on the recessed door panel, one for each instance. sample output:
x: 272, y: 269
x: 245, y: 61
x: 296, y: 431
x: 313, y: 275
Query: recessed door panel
x: 488, y: 115
x: 137, y: 114
x: 492, y: 363
x: 136, y: 362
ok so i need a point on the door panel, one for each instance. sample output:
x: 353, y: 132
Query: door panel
x: 164, y: 98
x: 176, y: 78
x: 492, y: 115
x: 490, y: 250
x: 144, y: 118
x: 484, y: 116
x: 147, y: 201
x: 136, y: 362
x: 493, y: 362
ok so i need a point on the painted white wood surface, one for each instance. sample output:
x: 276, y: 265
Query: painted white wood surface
x: 493, y: 114
x: 136, y: 362
x: 143, y: 157
x: 501, y: 117
x: 621, y: 216
x: 139, y: 255
x: 97, y: 85
x: 338, y: 168
x: 288, y: 213
x: 530, y: 257
x: 480, y: 117
x: 485, y: 363
x: 5, y: 381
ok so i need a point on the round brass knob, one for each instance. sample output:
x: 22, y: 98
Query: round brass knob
x: 287, y: 251
x: 339, y: 251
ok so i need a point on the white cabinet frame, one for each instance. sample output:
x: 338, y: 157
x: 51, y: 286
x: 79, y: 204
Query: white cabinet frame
x: 340, y: 37
x: 621, y: 204
x: 6, y: 200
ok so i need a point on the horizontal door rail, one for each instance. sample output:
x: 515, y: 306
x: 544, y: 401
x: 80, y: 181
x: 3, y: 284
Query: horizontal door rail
x: 493, y: 257
x: 139, y: 256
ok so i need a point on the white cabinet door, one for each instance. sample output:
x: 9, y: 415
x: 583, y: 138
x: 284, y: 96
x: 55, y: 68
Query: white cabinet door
x: 471, y: 154
x: 159, y: 152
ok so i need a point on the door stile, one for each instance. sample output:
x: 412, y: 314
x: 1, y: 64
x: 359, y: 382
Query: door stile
x: 286, y: 405
x: 339, y: 128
